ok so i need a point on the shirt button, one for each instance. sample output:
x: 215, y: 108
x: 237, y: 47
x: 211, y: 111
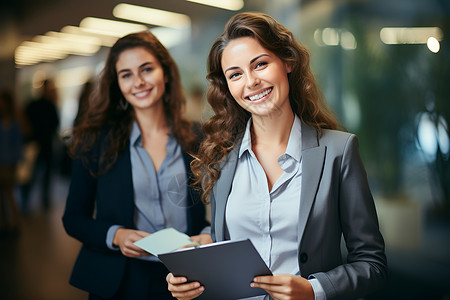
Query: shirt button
x: 303, y: 257
x: 284, y: 156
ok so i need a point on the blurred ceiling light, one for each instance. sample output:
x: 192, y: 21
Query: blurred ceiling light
x: 39, y: 48
x: 75, y: 38
x: 225, y: 4
x: 348, y: 40
x: 433, y: 44
x: 409, y: 35
x: 71, y: 47
x: 151, y: 16
x: 335, y: 37
x: 32, y: 52
x: 110, y: 27
x: 106, y: 40
x: 169, y: 37
x: 330, y: 37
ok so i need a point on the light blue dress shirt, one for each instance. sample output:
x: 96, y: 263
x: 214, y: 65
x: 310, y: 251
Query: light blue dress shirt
x: 269, y: 218
x: 159, y: 197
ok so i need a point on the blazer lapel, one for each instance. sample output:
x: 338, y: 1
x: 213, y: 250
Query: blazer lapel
x: 313, y: 157
x: 221, y: 191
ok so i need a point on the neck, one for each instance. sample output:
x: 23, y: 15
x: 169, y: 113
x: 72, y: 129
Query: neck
x: 152, y: 121
x: 270, y: 130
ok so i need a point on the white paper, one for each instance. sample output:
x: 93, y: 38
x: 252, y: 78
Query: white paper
x: 165, y: 240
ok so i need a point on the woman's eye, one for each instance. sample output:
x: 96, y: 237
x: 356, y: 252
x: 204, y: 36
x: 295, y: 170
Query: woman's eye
x: 234, y: 75
x: 126, y: 75
x: 261, y: 64
x: 147, y: 69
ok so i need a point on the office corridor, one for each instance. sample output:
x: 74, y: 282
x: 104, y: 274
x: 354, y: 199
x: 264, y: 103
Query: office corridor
x: 37, y: 261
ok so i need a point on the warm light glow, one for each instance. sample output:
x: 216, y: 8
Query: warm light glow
x: 151, y: 16
x: 225, y: 4
x: 330, y: 37
x: 70, y: 47
x: 75, y: 38
x: 335, y: 37
x: 348, y: 40
x: 409, y: 35
x: 109, y: 27
x: 106, y: 40
x: 32, y: 52
x: 433, y: 45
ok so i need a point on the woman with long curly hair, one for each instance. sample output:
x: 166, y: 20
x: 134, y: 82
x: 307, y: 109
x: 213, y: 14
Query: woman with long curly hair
x: 279, y: 169
x: 131, y: 172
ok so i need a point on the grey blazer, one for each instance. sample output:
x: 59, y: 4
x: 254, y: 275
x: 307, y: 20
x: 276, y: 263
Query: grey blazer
x: 335, y: 201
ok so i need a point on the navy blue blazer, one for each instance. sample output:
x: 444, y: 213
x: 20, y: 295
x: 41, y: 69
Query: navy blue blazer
x: 98, y: 269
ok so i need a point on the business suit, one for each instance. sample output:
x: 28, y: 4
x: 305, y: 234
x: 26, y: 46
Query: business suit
x: 335, y: 200
x: 98, y: 269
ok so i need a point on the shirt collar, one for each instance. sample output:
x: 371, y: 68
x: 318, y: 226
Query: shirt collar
x: 293, y: 148
x: 246, y: 144
x: 135, y: 136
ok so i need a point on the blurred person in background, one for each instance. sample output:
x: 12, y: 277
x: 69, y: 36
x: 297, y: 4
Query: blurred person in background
x: 10, y: 153
x: 43, y: 121
x: 131, y: 173
x: 277, y: 171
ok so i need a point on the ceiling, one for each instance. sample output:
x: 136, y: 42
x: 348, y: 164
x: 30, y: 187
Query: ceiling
x: 22, y: 19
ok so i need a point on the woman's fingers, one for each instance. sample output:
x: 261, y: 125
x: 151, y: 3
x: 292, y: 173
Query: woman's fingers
x: 183, y: 290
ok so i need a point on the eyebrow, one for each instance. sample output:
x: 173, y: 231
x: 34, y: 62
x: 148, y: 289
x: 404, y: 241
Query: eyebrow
x: 141, y: 66
x: 251, y: 61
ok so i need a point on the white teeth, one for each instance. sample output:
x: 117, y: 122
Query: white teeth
x: 259, y: 96
x: 141, y: 94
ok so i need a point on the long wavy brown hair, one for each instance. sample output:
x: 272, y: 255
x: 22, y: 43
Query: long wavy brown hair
x: 228, y: 123
x: 107, y: 121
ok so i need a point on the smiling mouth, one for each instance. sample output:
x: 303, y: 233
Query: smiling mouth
x: 142, y: 94
x: 260, y: 95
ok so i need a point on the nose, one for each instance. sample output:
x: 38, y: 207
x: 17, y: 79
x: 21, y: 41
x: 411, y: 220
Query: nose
x: 139, y: 81
x: 252, y: 80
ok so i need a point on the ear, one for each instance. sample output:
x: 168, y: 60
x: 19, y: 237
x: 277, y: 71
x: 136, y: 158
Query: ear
x: 288, y: 66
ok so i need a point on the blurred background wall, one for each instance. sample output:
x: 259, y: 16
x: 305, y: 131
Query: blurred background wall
x: 383, y: 66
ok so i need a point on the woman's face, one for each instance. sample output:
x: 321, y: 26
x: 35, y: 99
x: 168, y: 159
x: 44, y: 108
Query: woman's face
x: 257, y: 78
x: 141, y: 78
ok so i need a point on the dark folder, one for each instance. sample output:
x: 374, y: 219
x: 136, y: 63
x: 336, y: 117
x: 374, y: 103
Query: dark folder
x: 225, y: 269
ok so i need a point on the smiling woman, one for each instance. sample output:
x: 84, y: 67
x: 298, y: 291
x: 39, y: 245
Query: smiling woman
x: 141, y: 79
x: 277, y: 171
x: 257, y: 79
x: 128, y: 147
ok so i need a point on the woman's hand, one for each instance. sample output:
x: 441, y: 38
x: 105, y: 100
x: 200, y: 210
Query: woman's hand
x: 124, y: 239
x: 285, y: 286
x: 202, y: 239
x: 183, y: 290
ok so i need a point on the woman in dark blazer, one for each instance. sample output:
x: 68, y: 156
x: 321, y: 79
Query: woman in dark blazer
x: 131, y: 173
x: 280, y: 173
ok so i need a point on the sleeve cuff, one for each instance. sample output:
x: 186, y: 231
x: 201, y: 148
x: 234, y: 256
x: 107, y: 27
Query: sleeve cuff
x: 206, y: 230
x: 110, y: 237
x: 319, y: 293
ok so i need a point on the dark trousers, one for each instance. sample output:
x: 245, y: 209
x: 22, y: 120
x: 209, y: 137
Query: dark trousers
x: 142, y: 280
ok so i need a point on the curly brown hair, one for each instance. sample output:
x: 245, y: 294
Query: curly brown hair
x: 228, y: 123
x: 105, y: 118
